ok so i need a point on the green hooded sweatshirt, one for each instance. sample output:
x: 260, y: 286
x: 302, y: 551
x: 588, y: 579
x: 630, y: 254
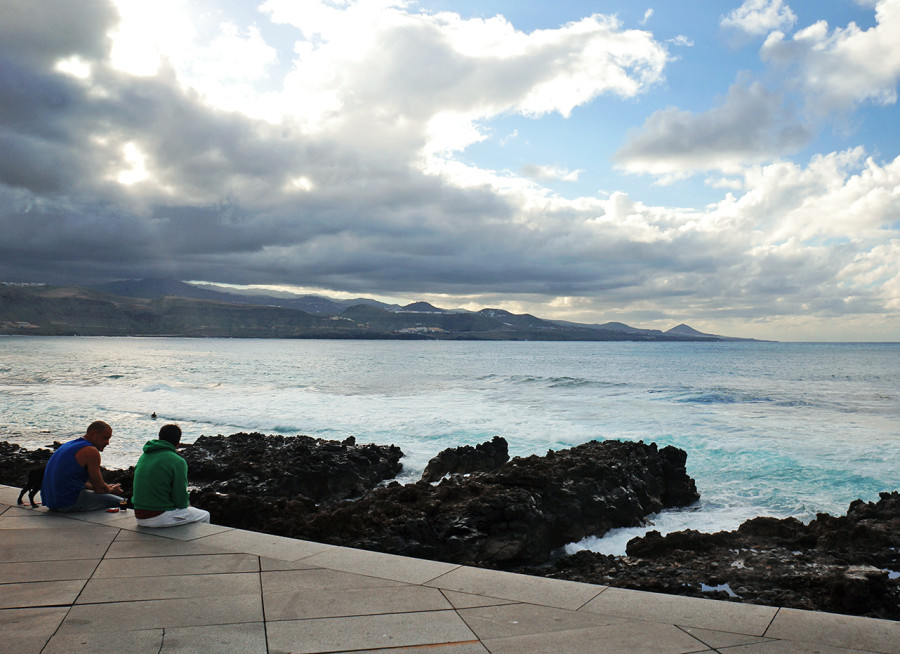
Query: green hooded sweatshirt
x: 160, y: 478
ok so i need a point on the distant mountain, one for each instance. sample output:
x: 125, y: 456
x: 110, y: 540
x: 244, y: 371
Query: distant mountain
x: 420, y: 307
x: 686, y: 331
x: 164, y: 287
x: 173, y: 308
x: 156, y: 287
x: 522, y: 321
x: 617, y: 327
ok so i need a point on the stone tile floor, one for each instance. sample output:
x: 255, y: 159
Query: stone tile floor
x: 96, y: 582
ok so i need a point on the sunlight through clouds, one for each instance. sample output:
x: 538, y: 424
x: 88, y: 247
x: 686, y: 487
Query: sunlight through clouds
x: 136, y: 170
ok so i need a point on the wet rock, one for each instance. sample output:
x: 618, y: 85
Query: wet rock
x: 840, y: 564
x: 289, y: 466
x: 467, y: 459
x: 16, y: 461
x: 514, y: 515
x: 263, y: 514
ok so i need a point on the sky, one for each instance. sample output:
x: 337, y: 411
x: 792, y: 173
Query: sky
x: 732, y: 165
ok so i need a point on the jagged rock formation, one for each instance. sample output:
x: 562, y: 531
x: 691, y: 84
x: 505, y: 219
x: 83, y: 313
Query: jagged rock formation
x: 848, y: 564
x: 516, y: 514
x: 289, y: 466
x: 467, y: 459
x: 16, y: 461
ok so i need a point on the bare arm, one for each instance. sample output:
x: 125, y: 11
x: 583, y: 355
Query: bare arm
x: 89, y: 457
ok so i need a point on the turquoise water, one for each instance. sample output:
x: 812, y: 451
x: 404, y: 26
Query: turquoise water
x: 770, y: 428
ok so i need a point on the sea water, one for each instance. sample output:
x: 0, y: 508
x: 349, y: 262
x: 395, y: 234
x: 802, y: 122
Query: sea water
x: 781, y: 429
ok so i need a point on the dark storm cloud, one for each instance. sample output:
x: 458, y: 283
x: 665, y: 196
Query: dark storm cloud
x: 38, y: 34
x: 752, y: 124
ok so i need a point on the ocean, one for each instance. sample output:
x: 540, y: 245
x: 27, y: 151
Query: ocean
x: 780, y: 429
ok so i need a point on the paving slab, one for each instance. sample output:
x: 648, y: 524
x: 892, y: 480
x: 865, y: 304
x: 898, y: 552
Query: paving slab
x: 9, y: 495
x: 39, y: 593
x: 444, y: 648
x: 145, y: 641
x: 130, y: 544
x: 270, y: 565
x: 122, y: 519
x: 169, y: 587
x: 86, y: 541
x: 225, y: 639
x: 167, y: 613
x: 377, y: 564
x: 283, y: 581
x: 247, y: 638
x: 275, y: 547
x: 12, y: 520
x: 303, y: 604
x: 126, y: 533
x: 789, y: 647
x: 867, y: 634
x: 521, y: 588
x: 521, y: 619
x: 25, y: 511
x: 196, y: 564
x: 47, y: 570
x: 470, y: 601
x: 368, y: 632
x: 723, y: 639
x: 684, y: 611
x: 630, y: 637
x: 28, y: 630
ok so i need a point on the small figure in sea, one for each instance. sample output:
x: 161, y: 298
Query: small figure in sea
x: 160, y: 484
x: 73, y: 481
x: 153, y: 416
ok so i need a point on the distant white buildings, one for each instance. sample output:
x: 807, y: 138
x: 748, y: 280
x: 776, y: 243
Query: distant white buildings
x: 421, y: 330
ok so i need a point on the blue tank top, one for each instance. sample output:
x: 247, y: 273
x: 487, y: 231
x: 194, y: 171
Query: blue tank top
x: 64, y: 478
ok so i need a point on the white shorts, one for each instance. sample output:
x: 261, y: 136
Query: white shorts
x: 176, y: 517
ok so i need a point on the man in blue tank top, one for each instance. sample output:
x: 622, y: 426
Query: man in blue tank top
x: 73, y: 481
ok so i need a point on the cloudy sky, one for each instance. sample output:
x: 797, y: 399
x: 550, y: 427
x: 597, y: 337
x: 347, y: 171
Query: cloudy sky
x: 734, y: 165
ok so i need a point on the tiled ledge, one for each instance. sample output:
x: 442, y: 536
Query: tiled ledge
x: 112, y: 586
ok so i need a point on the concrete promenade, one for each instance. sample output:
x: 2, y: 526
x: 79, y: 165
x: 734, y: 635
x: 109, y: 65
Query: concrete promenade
x: 95, y: 582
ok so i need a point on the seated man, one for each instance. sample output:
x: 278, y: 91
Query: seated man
x: 73, y: 481
x: 160, y: 484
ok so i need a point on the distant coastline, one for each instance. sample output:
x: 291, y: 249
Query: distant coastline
x: 170, y: 308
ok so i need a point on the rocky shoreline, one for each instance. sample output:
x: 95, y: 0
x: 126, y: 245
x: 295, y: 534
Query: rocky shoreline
x: 476, y: 506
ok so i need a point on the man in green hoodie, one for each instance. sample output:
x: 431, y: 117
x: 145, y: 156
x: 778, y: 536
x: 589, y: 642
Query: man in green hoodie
x: 160, y: 484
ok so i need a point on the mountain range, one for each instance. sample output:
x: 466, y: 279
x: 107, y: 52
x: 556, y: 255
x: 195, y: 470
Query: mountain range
x: 169, y: 307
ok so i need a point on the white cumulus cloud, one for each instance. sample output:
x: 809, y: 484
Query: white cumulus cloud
x: 758, y: 17
x: 843, y: 67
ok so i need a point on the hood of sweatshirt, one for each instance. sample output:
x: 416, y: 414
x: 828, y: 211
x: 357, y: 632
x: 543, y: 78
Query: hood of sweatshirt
x: 158, y: 446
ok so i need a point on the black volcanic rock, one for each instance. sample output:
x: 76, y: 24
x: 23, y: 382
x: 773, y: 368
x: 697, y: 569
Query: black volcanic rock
x: 516, y: 514
x: 16, y: 461
x: 837, y: 564
x: 466, y: 459
x: 289, y: 466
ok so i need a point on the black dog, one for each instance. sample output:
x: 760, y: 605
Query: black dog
x: 32, y: 485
